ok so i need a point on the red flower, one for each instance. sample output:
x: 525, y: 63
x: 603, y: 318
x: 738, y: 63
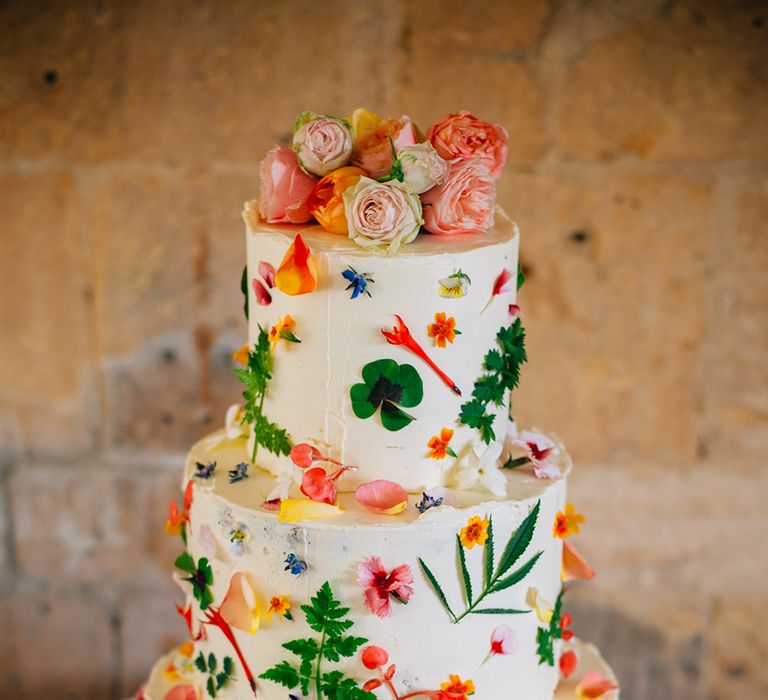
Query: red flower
x: 379, y: 585
x: 568, y: 662
x: 320, y: 486
x: 374, y: 657
x: 565, y: 623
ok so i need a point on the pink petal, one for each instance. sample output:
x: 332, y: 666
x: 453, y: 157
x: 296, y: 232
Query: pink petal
x: 263, y: 297
x: 242, y: 606
x: 514, y: 312
x: 574, y: 565
x: 594, y: 685
x: 267, y: 273
x: 503, y: 639
x: 382, y: 496
x: 369, y: 570
x: 376, y: 603
x: 181, y: 692
x: 503, y: 283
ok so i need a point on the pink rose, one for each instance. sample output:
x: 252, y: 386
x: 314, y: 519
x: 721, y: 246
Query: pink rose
x: 322, y: 143
x: 463, y: 203
x: 373, y: 151
x: 465, y: 136
x: 285, y: 188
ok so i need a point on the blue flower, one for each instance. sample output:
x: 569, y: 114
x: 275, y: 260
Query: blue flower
x: 239, y: 473
x: 358, y: 282
x: 428, y: 502
x: 295, y: 565
x: 205, y: 471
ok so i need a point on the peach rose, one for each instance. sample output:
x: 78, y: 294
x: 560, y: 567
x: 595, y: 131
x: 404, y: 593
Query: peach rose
x: 326, y: 202
x: 422, y: 167
x: 322, y: 143
x: 285, y: 188
x: 382, y: 214
x: 463, y: 203
x: 373, y: 151
x: 465, y: 136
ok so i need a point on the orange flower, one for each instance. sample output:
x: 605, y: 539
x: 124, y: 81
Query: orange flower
x: 279, y: 605
x: 326, y: 202
x: 443, y: 329
x: 297, y: 273
x: 456, y: 688
x: 476, y: 532
x: 176, y: 522
x: 241, y: 356
x: 567, y: 524
x: 283, y: 330
x: 438, y: 445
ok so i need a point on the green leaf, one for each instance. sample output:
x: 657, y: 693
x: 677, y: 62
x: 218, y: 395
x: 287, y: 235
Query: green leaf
x: 520, y: 277
x: 338, y: 647
x: 373, y: 371
x: 305, y: 648
x: 283, y: 673
x: 464, y: 571
x: 221, y: 680
x: 185, y: 562
x: 436, y: 587
x: 212, y: 665
x: 472, y: 413
x: 513, y: 463
x: 545, y: 646
x: 244, y: 289
x: 394, y: 418
x: 361, y: 404
x: 517, y: 576
x: 488, y: 554
x: 518, y: 542
x: 229, y: 665
x: 499, y: 611
x: 305, y: 670
x: 413, y: 388
x: 489, y: 389
x: 200, y: 663
x: 211, y: 687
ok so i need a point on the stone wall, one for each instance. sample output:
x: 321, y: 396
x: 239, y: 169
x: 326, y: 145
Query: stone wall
x: 130, y: 135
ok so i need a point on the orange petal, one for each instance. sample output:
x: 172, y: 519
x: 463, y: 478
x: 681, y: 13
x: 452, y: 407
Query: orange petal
x: 181, y: 692
x: 382, y: 496
x: 297, y: 273
x: 242, y: 606
x: 574, y: 565
x: 292, y: 510
x: 594, y: 685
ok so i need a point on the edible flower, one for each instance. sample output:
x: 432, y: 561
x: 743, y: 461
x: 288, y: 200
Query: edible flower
x: 540, y: 605
x: 293, y: 510
x: 428, y: 502
x: 374, y: 147
x: 565, y: 627
x: 241, y: 355
x: 213, y: 616
x: 400, y: 335
x: 568, y: 663
x: 475, y: 532
x: 280, y: 605
x: 320, y: 486
x: 567, y: 524
x: 297, y: 273
x: 176, y: 523
x: 295, y: 565
x: 574, y: 565
x: 185, y: 691
x: 288, y: 476
x: 283, y: 330
x: 321, y: 142
x: 539, y: 450
x: 456, y: 689
x: 504, y: 283
x: 262, y: 286
x: 358, y: 282
x: 439, y: 445
x: 380, y: 585
x: 382, y: 496
x: 503, y: 642
x: 479, y: 464
x: 455, y: 285
x: 363, y: 120
x: 374, y: 657
x: 594, y: 685
x: 242, y: 606
x: 239, y: 535
x: 443, y: 329
x: 205, y: 471
x: 239, y: 473
x: 326, y: 200
x: 284, y: 188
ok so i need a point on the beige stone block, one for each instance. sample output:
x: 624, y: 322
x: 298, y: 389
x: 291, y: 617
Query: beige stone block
x: 685, y: 83
x: 617, y: 265
x: 96, y: 526
x: 149, y: 627
x: 56, y: 647
x: 46, y: 355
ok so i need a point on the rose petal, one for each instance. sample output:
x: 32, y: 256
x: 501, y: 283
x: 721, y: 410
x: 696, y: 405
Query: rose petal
x: 574, y: 565
x: 594, y: 685
x: 568, y: 663
x: 382, y: 496
x: 267, y: 273
x: 181, y: 692
x: 263, y: 297
x: 242, y: 606
x: 297, y: 273
x: 503, y: 283
x: 292, y: 510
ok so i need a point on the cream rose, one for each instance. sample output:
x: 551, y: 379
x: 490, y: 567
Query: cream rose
x: 322, y: 143
x: 382, y: 214
x: 422, y: 167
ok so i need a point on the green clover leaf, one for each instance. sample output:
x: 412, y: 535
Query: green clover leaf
x: 388, y: 386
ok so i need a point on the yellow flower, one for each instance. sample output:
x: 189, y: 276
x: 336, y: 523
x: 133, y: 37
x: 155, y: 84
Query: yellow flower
x: 241, y: 356
x: 476, y: 532
x: 363, y: 120
x: 458, y: 687
x: 438, y: 445
x: 567, y: 524
x: 279, y: 605
x: 283, y: 330
x: 540, y: 604
x: 443, y: 329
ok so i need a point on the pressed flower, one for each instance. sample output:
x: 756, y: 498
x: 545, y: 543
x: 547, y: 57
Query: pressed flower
x: 594, y: 685
x: 283, y: 330
x: 261, y: 293
x: 455, y: 285
x: 288, y: 476
x: 186, y: 613
x: 475, y: 532
x: 267, y: 272
x: 380, y: 585
x: 305, y: 455
x: 443, y: 330
x: 185, y: 691
x: 358, y: 282
x: 176, y: 523
x: 238, y: 538
x: 205, y: 471
x: 540, y: 451
x: 241, y: 356
x: 293, y: 510
x: 297, y: 273
x: 567, y: 523
x: 458, y: 687
x: 428, y: 502
x: 504, y: 283
x: 503, y: 642
x: 242, y: 606
x: 568, y: 663
x: 514, y: 312
x: 540, y: 605
x: 439, y: 446
x: 574, y: 565
x: 400, y: 335
x: 214, y: 616
x: 382, y: 496
x: 200, y: 576
x: 295, y: 565
x: 565, y: 627
x: 239, y: 473
x: 480, y: 464
x: 374, y: 657
x: 320, y: 486
x: 280, y: 605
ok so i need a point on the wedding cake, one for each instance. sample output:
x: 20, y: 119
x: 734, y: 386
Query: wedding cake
x: 371, y: 521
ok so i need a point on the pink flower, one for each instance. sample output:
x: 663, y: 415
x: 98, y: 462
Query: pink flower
x: 594, y: 684
x: 284, y: 188
x: 463, y: 203
x: 503, y: 640
x: 463, y: 136
x: 322, y: 143
x: 373, y: 151
x: 539, y: 449
x: 374, y: 657
x: 379, y: 585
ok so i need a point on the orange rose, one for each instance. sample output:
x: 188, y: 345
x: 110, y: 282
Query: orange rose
x: 325, y: 201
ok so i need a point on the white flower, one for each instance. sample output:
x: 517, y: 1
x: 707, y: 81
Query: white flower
x: 233, y: 424
x: 284, y: 480
x: 423, y: 168
x: 479, y: 463
x: 238, y: 537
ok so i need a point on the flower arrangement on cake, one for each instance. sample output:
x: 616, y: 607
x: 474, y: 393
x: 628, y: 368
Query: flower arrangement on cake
x: 381, y: 181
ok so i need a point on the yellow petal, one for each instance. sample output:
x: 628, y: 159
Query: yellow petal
x: 292, y: 510
x: 364, y: 120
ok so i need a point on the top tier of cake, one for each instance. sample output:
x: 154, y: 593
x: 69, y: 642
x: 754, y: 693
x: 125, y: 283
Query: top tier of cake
x: 311, y: 391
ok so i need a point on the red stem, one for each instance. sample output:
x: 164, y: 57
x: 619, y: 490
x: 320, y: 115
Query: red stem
x: 213, y: 617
